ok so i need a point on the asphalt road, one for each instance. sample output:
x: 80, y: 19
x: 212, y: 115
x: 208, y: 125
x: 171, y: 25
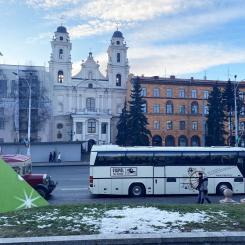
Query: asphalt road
x: 72, y: 188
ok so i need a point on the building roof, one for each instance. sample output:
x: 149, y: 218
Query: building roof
x: 61, y: 29
x: 117, y: 34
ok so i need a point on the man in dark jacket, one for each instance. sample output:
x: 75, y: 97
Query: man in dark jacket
x: 202, y: 188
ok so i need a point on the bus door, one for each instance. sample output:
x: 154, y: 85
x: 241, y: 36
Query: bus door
x: 159, y: 172
x: 158, y: 180
x: 172, y: 172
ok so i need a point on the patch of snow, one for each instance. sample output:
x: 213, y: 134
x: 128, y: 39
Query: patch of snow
x: 146, y: 220
x: 43, y: 226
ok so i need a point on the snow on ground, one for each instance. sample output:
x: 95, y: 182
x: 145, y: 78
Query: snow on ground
x: 146, y: 220
x: 117, y: 221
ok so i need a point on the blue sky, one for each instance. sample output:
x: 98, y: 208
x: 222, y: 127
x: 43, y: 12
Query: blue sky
x: 174, y: 37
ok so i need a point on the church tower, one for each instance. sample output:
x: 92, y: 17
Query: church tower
x: 60, y: 65
x: 117, y: 66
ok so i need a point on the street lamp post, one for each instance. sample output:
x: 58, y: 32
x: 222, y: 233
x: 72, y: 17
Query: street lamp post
x: 29, y: 116
x: 236, y: 129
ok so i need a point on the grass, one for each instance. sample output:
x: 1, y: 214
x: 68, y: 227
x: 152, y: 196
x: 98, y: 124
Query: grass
x: 86, y: 219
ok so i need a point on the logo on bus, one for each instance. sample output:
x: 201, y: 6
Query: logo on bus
x: 123, y: 171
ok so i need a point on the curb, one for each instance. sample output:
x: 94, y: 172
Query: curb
x: 206, y: 238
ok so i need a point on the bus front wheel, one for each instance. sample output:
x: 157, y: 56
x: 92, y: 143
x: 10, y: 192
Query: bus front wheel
x: 137, y: 190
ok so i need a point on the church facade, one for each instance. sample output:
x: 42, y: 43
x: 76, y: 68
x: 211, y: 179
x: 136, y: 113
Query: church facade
x: 86, y: 106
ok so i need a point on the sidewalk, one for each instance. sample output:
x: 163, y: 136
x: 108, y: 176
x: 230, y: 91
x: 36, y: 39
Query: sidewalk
x: 62, y: 164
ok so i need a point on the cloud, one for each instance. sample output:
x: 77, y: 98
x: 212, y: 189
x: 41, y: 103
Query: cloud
x: 133, y: 10
x: 176, y: 59
x: 49, y: 3
x: 181, y: 59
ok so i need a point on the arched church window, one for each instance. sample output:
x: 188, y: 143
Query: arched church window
x: 118, y: 80
x: 60, y: 76
x: 118, y: 57
x: 90, y: 85
x: 90, y: 75
x: 61, y: 38
x: 60, y: 53
x: 118, y: 42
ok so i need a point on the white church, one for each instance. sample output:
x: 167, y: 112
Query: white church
x: 83, y: 107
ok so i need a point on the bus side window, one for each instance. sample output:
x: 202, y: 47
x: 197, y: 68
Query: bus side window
x: 109, y: 159
x: 139, y: 158
x: 229, y: 158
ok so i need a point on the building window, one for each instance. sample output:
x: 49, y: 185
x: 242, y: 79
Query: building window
x: 169, y: 107
x: 143, y: 92
x: 59, y: 135
x: 61, y: 38
x: 59, y: 126
x: 169, y: 92
x: 182, y: 109
x: 156, y: 125
x: 90, y: 75
x: 118, y: 80
x: 194, y: 125
x: 169, y: 125
x: 195, y: 141
x: 60, y: 76
x: 90, y: 104
x: 118, y: 42
x: 193, y: 94
x: 144, y: 108
x: 182, y: 125
x: 1, y: 123
x: 3, y: 88
x: 79, y: 127
x: 156, y: 108
x: 60, y: 107
x: 91, y: 126
x: 61, y: 54
x: 90, y: 85
x: 194, y: 107
x: 183, y: 141
x: 181, y: 93
x: 1, y: 140
x: 242, y: 112
x: 205, y: 94
x: 156, y: 92
x: 242, y: 126
x: 205, y: 110
x: 118, y: 57
x: 103, y: 128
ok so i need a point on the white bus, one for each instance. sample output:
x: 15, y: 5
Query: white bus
x: 139, y: 171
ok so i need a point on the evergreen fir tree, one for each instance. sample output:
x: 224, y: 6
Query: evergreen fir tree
x: 215, y: 120
x: 122, y: 127
x: 228, y: 100
x: 137, y: 123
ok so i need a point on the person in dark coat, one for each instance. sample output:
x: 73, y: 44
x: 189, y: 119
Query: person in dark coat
x: 50, y: 159
x: 54, y: 156
x: 202, y: 189
x: 200, y: 179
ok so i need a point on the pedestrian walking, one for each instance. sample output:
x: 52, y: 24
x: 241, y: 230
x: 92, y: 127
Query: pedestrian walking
x: 59, y: 157
x: 202, y: 189
x: 205, y: 191
x: 50, y: 159
x: 54, y: 156
x: 200, y: 179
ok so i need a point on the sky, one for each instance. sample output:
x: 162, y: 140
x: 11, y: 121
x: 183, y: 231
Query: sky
x: 185, y: 38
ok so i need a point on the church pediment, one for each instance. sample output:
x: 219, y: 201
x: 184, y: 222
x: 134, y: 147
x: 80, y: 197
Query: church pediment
x: 91, y: 83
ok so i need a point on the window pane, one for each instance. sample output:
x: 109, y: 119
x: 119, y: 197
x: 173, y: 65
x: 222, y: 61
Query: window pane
x: 109, y: 159
x: 138, y: 158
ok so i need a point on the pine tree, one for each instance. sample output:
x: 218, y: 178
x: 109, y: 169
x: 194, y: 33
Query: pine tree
x: 122, y: 127
x: 137, y: 123
x: 215, y: 120
x: 228, y: 101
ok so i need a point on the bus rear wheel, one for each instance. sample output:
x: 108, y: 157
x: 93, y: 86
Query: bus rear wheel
x: 137, y: 190
x: 222, y: 187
